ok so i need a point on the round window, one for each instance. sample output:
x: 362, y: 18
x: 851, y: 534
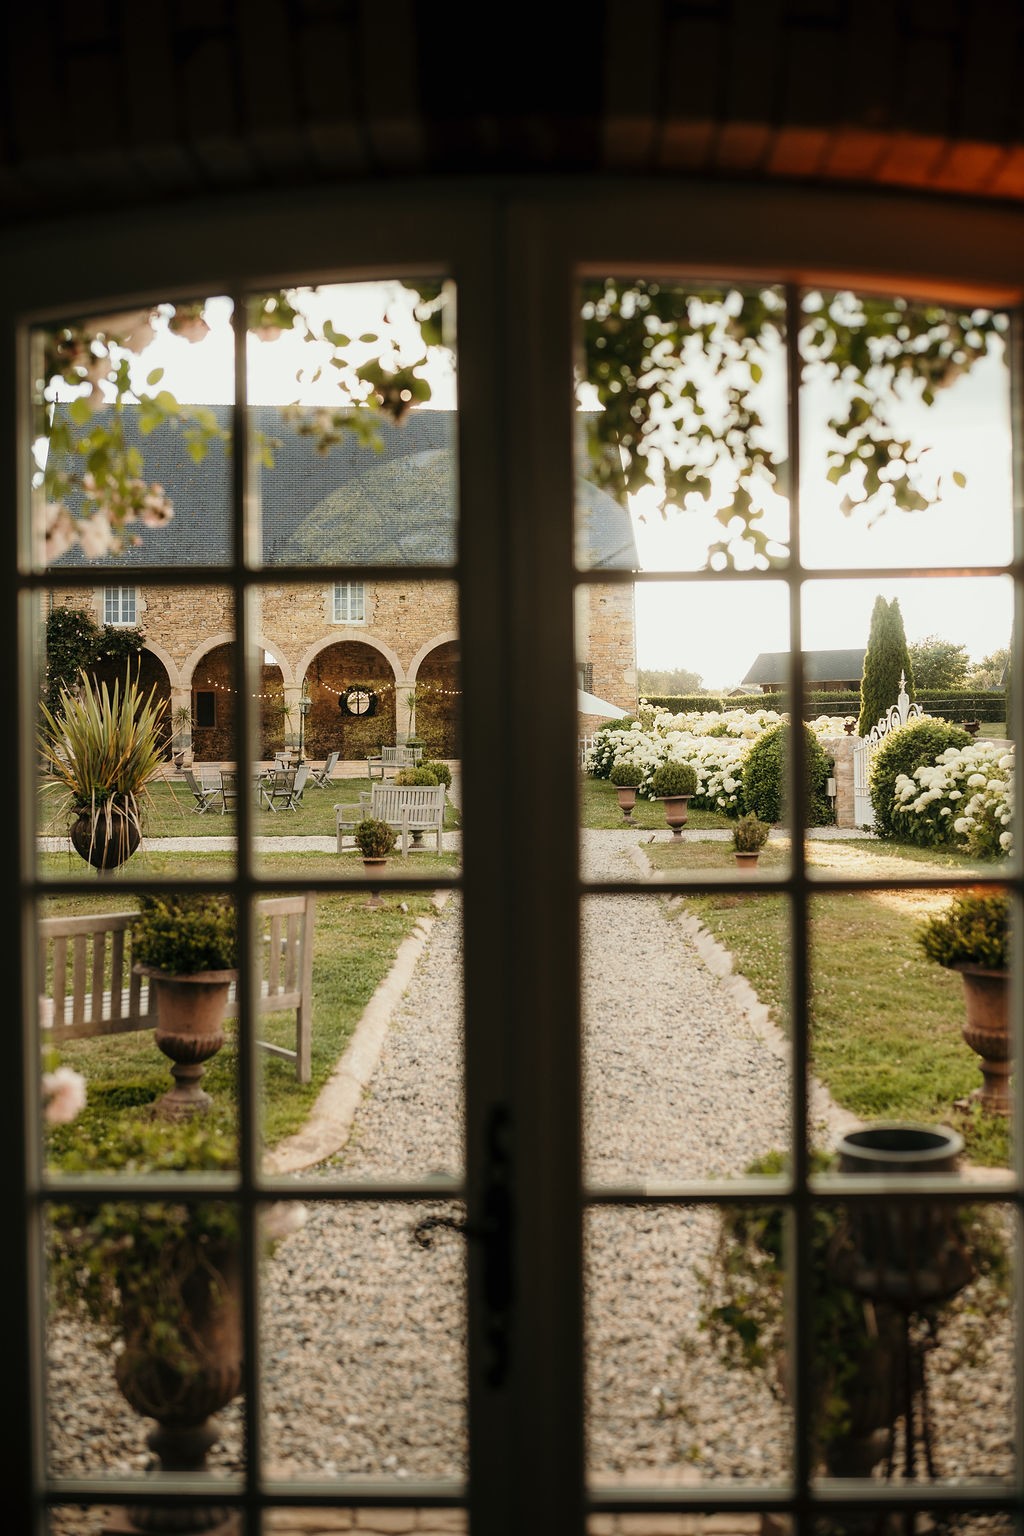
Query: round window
x: 358, y: 701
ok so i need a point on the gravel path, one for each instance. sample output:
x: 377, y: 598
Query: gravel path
x: 363, y: 1327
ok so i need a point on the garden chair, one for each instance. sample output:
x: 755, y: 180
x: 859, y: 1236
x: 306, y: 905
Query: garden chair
x: 277, y: 790
x: 202, y: 793
x: 321, y: 776
x: 228, y: 790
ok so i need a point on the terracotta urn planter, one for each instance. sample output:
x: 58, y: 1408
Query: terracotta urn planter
x: 746, y: 860
x: 189, y: 1030
x: 675, y: 811
x: 183, y: 1389
x: 987, y: 1031
x: 626, y: 795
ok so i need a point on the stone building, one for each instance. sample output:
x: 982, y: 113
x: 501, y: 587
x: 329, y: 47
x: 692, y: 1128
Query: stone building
x: 377, y: 660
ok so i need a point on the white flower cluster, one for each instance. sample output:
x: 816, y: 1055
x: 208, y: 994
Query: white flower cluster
x: 965, y: 796
x: 714, y: 744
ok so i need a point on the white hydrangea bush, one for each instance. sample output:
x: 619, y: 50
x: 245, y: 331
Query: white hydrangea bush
x: 714, y: 743
x: 964, y: 798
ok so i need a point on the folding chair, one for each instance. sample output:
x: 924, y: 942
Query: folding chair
x: 321, y: 776
x: 202, y: 793
x: 228, y: 790
x: 277, y: 790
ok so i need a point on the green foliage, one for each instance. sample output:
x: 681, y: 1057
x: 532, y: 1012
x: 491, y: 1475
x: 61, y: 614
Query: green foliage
x: 647, y: 344
x: 886, y: 658
x: 424, y: 774
x: 374, y: 838
x: 973, y: 930
x: 626, y: 775
x: 667, y: 680
x: 442, y: 773
x: 75, y: 643
x: 750, y: 834
x: 917, y: 743
x: 185, y: 933
x: 764, y: 776
x: 939, y: 663
x: 671, y: 778
x: 127, y: 1266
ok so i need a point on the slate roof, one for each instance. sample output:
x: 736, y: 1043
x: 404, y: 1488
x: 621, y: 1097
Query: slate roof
x: 819, y: 667
x: 353, y: 503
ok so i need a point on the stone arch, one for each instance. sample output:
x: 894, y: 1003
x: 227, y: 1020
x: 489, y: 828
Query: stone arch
x: 437, y: 678
x: 328, y: 669
x: 155, y: 673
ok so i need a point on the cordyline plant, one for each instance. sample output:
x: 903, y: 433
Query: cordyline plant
x: 103, y: 747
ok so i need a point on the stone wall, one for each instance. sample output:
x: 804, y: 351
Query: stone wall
x: 606, y: 639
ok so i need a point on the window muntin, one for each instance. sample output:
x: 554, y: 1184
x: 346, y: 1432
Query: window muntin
x: 120, y: 605
x: 349, y: 603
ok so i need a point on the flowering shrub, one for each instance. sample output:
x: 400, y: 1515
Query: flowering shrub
x: 714, y: 744
x: 964, y: 797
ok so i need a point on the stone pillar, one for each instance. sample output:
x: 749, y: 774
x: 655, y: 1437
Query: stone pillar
x: 841, y: 749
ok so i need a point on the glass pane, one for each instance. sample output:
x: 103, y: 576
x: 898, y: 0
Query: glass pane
x: 693, y: 708
x: 671, y: 1397
x: 133, y: 438
x: 364, y: 1342
x: 139, y: 723
x: 912, y: 1325
x: 686, y: 1056
x: 681, y: 454
x: 144, y: 1339
x: 901, y: 1027
x: 381, y: 1095
x: 339, y: 483
x: 905, y: 433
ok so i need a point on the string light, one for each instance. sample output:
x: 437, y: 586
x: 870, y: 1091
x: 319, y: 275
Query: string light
x: 422, y: 690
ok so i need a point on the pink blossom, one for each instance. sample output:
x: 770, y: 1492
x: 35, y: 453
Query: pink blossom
x: 96, y: 535
x: 63, y: 1095
x: 59, y: 531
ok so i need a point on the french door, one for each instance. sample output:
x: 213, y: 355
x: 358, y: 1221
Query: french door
x: 550, y: 1367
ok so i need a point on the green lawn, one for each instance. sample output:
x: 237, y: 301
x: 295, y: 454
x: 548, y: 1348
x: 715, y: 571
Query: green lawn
x: 599, y: 807
x: 354, y: 950
x: 885, y: 1021
x: 168, y: 812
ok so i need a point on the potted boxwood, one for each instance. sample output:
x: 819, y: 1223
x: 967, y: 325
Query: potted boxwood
x: 673, y: 783
x: 972, y: 936
x: 187, y: 945
x: 104, y: 749
x: 749, y: 836
x: 626, y: 777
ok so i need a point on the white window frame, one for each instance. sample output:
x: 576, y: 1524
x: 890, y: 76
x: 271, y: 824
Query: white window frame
x: 121, y: 599
x: 345, y: 597
x: 517, y: 259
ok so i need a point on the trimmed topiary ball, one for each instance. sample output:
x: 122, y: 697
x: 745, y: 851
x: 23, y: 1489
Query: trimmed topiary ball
x: 673, y: 778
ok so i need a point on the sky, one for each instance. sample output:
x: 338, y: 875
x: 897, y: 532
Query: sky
x: 716, y: 627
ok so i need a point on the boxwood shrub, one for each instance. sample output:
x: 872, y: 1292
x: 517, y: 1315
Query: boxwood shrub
x: 917, y: 743
x: 764, y: 776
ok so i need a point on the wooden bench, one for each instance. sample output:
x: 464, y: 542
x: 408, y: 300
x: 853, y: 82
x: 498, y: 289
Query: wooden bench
x: 414, y: 810
x: 87, y: 967
x: 392, y: 759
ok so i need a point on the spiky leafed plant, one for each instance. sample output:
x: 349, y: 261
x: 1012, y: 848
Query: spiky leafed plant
x: 103, y: 748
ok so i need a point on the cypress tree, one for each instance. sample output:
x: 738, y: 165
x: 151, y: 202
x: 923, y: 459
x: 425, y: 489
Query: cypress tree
x: 885, y: 658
